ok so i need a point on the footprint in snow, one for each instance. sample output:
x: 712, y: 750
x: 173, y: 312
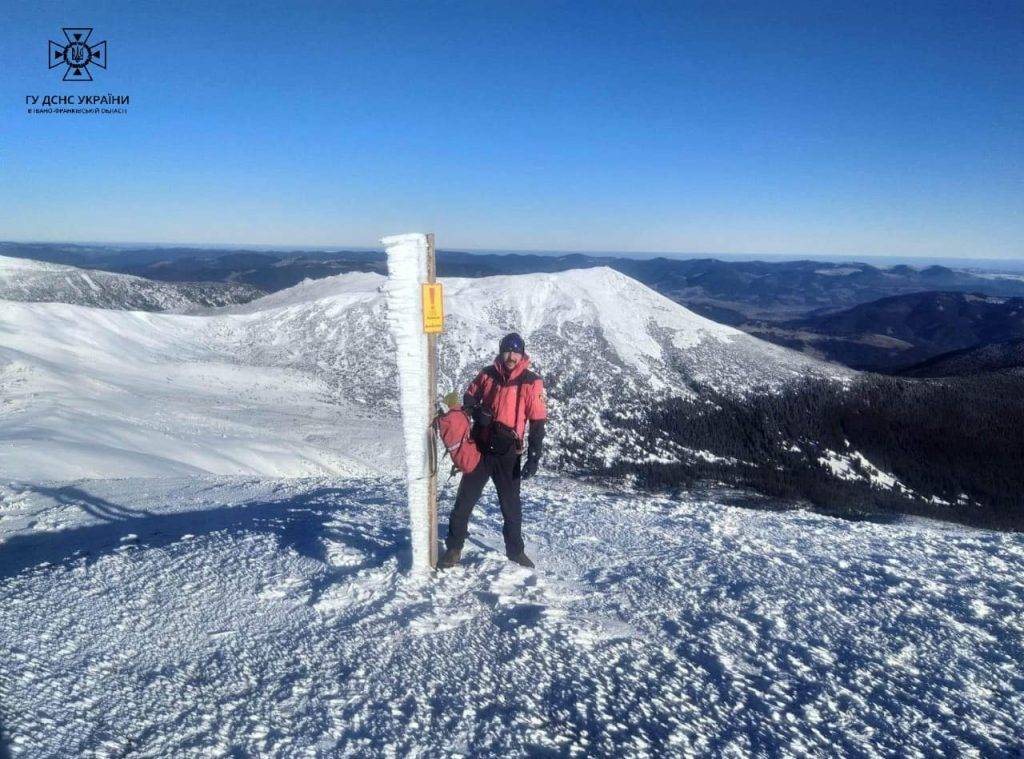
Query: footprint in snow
x: 340, y: 554
x: 516, y: 597
x: 439, y: 620
x: 337, y: 597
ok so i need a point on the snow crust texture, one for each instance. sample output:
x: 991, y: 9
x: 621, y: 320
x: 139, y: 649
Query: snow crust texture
x: 243, y: 617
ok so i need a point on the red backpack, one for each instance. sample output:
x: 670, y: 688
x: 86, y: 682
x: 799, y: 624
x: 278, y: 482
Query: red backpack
x: 454, y: 427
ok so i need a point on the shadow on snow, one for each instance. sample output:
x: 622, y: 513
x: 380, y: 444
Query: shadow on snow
x: 300, y: 523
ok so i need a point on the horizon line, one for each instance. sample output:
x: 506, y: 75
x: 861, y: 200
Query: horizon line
x: 511, y: 251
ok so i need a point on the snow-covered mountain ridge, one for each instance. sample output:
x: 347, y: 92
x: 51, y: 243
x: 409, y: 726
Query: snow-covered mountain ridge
x: 645, y: 390
x: 304, y: 382
x: 600, y: 339
x: 595, y: 313
x: 580, y: 326
x: 38, y: 281
x: 604, y: 343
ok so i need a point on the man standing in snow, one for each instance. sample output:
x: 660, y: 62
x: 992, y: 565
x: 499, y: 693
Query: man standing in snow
x: 502, y: 398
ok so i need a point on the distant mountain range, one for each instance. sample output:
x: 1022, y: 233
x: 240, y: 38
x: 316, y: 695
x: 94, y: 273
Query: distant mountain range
x: 855, y: 314
x: 735, y: 292
x: 730, y: 292
x: 263, y: 272
x: 894, y: 333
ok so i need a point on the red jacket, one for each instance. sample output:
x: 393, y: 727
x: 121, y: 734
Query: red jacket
x: 514, y: 397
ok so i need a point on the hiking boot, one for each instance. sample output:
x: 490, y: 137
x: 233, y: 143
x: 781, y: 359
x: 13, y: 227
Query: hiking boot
x: 522, y: 560
x: 450, y: 558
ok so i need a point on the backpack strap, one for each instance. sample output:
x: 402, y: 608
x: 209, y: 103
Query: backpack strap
x: 496, y: 383
x: 519, y: 397
x: 515, y: 421
x: 527, y: 376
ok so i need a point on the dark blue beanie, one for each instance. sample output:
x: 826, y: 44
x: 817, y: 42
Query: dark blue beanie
x: 512, y: 342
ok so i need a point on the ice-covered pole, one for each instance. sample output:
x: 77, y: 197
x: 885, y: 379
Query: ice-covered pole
x: 408, y: 270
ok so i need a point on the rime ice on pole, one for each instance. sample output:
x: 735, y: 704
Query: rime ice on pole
x: 407, y: 269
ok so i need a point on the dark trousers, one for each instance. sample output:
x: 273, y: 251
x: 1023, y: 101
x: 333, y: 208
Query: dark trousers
x: 504, y: 472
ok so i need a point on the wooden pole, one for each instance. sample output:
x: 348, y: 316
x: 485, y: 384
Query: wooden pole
x: 432, y: 405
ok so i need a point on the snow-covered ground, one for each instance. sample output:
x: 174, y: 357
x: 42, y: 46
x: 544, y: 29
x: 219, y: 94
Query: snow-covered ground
x: 252, y: 617
x: 88, y: 392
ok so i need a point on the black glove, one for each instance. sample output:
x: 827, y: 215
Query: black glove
x: 530, y: 467
x: 535, y: 450
x: 483, y: 416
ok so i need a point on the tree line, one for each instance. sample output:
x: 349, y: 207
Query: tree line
x: 956, y: 445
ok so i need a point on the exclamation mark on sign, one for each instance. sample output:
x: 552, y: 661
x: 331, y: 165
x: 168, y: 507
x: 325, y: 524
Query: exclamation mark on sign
x: 433, y: 307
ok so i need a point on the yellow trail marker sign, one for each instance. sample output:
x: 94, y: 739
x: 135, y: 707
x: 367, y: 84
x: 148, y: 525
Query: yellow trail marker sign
x: 433, y: 307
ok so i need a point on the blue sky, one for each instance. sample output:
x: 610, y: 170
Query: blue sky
x: 787, y: 128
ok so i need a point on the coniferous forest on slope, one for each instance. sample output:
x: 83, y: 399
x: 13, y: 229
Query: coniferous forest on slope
x: 956, y: 445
